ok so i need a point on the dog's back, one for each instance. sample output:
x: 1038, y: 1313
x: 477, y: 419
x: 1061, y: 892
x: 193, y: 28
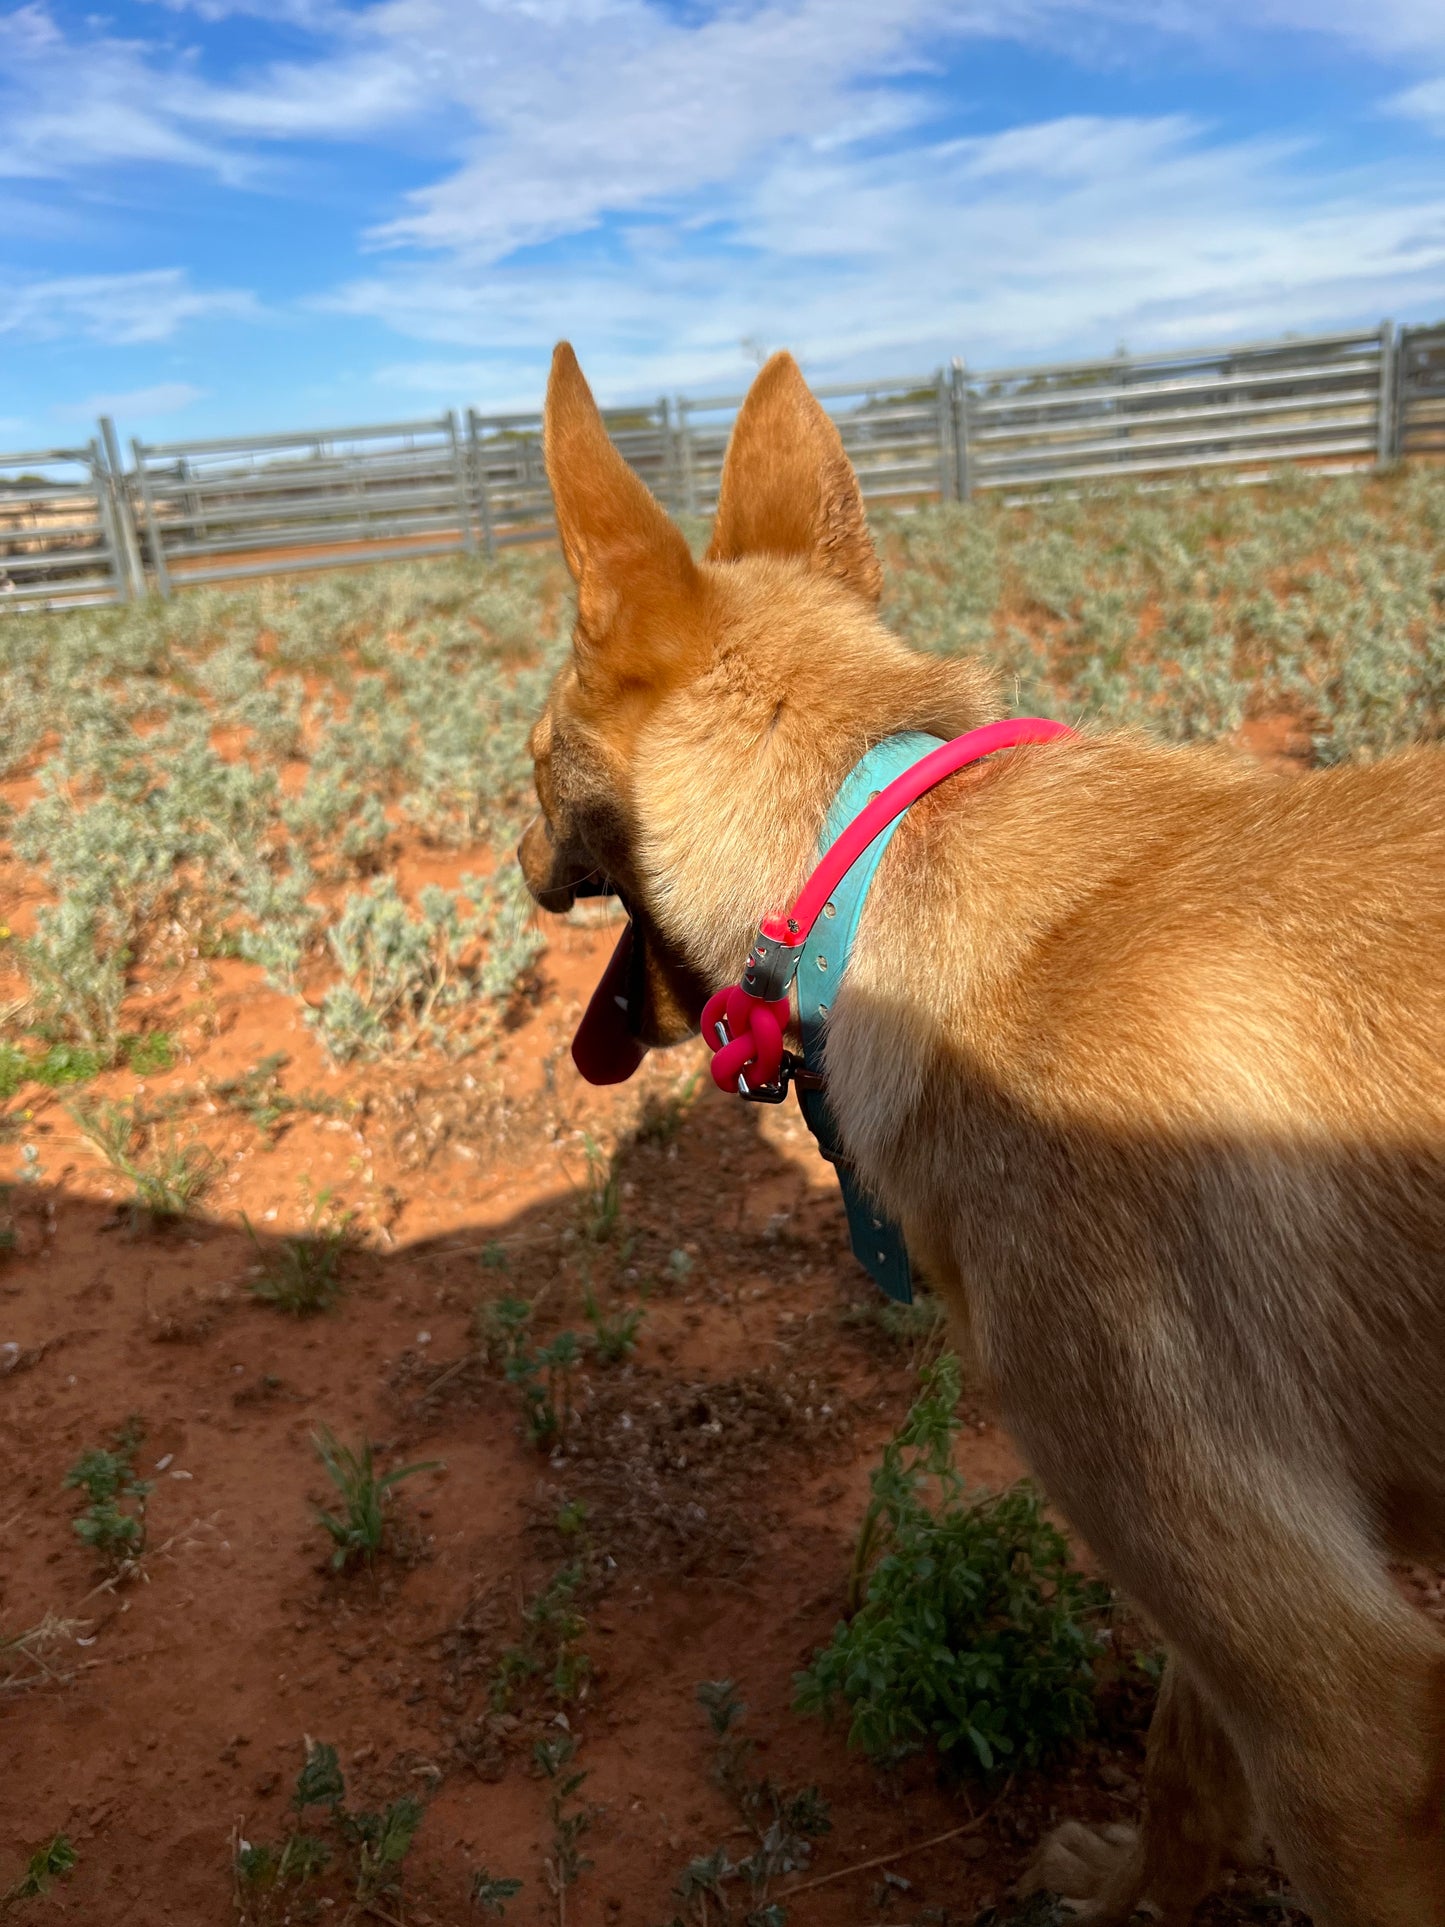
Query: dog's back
x: 1178, y: 1027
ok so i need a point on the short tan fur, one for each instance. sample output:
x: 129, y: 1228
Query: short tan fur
x: 1145, y: 1049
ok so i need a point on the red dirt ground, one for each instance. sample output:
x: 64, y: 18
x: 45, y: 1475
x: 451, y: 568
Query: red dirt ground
x: 724, y: 1469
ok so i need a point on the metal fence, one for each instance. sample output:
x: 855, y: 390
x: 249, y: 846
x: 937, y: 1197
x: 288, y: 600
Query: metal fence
x: 66, y: 533
x: 509, y: 482
x: 76, y: 528
x: 1323, y: 401
x: 898, y: 434
x: 1420, y: 392
x: 261, y: 505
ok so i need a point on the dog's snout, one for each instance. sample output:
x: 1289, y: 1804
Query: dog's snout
x: 543, y: 871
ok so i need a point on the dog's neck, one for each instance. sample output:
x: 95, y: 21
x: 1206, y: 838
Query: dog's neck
x: 723, y: 846
x: 733, y: 774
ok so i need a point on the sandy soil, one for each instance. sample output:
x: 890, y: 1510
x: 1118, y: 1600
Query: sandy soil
x: 723, y: 1469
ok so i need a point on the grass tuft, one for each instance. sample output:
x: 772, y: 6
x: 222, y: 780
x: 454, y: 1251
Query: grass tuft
x: 166, y: 1176
x: 360, y: 1529
x: 302, y: 1275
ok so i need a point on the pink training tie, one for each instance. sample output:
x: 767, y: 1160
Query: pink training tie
x: 755, y: 1036
x: 743, y: 1024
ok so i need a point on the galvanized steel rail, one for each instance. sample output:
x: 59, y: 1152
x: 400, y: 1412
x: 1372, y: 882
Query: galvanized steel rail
x: 66, y: 537
x: 75, y: 529
x: 1248, y: 407
x: 215, y: 511
x: 1420, y: 392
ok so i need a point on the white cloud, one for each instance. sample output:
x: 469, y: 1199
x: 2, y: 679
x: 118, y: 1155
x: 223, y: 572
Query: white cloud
x: 1385, y: 28
x: 117, y: 309
x: 78, y: 103
x: 568, y: 110
x: 1069, y: 235
x: 667, y: 183
x: 1426, y: 103
x: 72, y: 104
x: 312, y: 16
x: 164, y: 398
x: 619, y: 107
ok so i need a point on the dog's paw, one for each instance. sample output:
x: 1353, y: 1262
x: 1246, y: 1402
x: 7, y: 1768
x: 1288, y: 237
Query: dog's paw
x: 1082, y: 1865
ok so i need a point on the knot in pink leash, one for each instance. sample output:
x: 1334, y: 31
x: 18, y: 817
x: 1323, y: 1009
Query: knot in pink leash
x: 745, y: 1034
x: 743, y: 1024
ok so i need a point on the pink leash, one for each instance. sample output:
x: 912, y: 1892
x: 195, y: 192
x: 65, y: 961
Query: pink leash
x: 743, y: 1024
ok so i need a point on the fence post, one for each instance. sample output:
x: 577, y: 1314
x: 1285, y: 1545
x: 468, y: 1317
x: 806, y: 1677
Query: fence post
x: 666, y: 490
x: 943, y: 415
x: 685, y: 456
x: 459, y: 482
x: 132, y: 570
x: 153, y: 534
x: 962, y: 478
x: 1386, y: 440
x: 479, y: 481
x: 110, y: 543
x: 1400, y: 404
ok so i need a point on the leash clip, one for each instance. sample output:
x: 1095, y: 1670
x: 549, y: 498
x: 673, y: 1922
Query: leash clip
x: 791, y: 1070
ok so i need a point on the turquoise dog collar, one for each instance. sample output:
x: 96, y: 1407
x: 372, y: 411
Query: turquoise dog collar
x: 877, y: 1242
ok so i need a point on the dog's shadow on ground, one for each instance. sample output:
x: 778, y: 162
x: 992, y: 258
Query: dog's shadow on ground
x: 736, y: 1255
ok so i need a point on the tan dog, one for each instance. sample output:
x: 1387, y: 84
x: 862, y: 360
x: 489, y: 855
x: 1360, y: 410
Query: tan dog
x: 1145, y: 1050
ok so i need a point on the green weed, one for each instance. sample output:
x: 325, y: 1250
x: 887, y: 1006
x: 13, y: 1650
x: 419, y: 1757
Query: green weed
x: 491, y: 1892
x: 54, y: 1068
x: 903, y: 1325
x: 1185, y: 612
x: 502, y: 1325
x: 113, y: 1524
x: 544, y: 1375
x: 56, y: 1860
x: 381, y: 1841
x: 360, y: 1529
x: 153, y: 846
x: 679, y: 1266
x: 971, y: 1631
x: 149, y: 1055
x: 782, y: 1827
x: 368, y: 1848
x: 258, y: 1095
x: 601, y: 1205
x: 549, y: 1648
x: 76, y: 977
x: 571, y: 1821
x: 14, y: 1070
x: 614, y: 1334
x: 302, y: 1275
x: 661, y: 1119
x: 1040, y: 1910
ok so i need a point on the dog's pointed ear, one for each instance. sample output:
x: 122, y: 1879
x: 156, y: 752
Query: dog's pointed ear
x: 788, y: 487
x: 626, y: 555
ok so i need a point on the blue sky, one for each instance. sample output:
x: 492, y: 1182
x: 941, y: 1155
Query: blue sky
x: 221, y: 215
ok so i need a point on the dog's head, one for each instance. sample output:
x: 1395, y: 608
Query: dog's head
x: 693, y: 739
